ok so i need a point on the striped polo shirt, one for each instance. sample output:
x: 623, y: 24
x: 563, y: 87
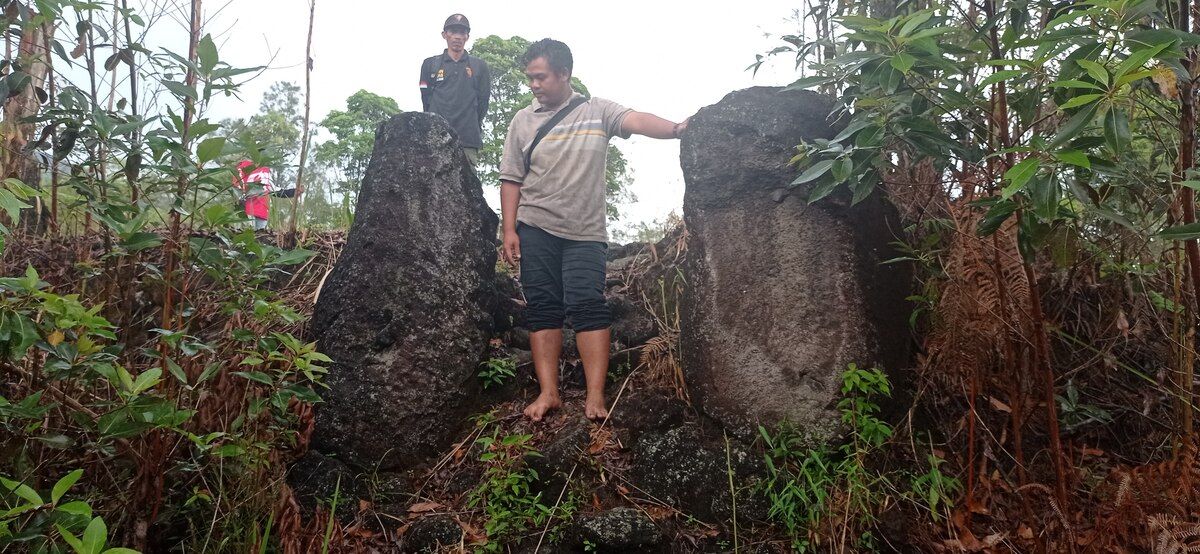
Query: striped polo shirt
x: 563, y: 191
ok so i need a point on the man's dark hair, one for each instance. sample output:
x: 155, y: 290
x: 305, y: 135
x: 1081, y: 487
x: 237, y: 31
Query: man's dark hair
x: 557, y: 55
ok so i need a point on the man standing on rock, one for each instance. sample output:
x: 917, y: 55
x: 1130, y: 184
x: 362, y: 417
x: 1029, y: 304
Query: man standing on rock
x: 458, y: 86
x: 552, y: 199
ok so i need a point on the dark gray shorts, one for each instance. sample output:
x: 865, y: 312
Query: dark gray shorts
x: 563, y: 281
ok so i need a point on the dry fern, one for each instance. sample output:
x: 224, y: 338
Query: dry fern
x: 660, y: 357
x: 1062, y: 517
x: 1174, y: 536
x: 982, y: 300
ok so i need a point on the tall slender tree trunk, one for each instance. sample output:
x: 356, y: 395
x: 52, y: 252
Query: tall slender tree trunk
x: 1187, y: 200
x: 1042, y: 358
x: 15, y: 133
x: 308, y: 65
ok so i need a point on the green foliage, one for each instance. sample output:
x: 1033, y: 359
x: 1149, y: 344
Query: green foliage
x: 824, y: 495
x: 924, y: 251
x: 510, y: 93
x: 353, y: 129
x: 13, y: 194
x: 505, y: 493
x: 1076, y: 413
x: 819, y: 493
x: 276, y: 128
x: 162, y: 365
x: 495, y: 371
x: 347, y: 154
x: 43, y: 522
x: 78, y: 350
x: 934, y: 490
x: 1090, y: 122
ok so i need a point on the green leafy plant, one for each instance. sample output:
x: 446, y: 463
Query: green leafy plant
x: 821, y: 493
x: 505, y: 494
x: 935, y: 491
x: 1076, y: 413
x: 495, y: 371
x: 40, y: 521
x: 161, y: 359
x: 1062, y: 131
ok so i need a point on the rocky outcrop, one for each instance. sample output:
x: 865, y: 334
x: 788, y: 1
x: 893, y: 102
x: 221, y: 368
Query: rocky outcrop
x: 432, y: 534
x: 617, y: 530
x: 781, y: 295
x: 690, y: 470
x: 407, y: 311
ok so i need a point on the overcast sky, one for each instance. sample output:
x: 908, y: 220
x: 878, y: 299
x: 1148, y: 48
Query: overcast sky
x: 667, y: 58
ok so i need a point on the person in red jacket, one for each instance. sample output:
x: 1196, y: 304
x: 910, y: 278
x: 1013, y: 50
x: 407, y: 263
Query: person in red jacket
x: 256, y: 187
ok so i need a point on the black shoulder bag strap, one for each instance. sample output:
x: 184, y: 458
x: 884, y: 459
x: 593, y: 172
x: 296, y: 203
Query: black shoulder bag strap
x: 545, y: 128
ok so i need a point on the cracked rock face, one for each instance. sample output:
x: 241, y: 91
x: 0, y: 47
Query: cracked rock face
x: 781, y: 295
x: 406, y: 312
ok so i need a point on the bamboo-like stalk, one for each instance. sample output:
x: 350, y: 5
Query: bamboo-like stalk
x: 112, y: 78
x: 304, y: 136
x: 1179, y: 318
x: 136, y: 142
x: 1041, y: 347
x: 132, y: 172
x: 152, y: 484
x: 172, y: 245
x: 52, y: 93
x: 1187, y: 200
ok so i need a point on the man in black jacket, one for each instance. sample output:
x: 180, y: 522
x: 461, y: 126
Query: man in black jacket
x: 458, y: 86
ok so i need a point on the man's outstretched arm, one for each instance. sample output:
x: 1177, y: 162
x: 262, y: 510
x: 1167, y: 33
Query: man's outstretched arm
x: 650, y: 125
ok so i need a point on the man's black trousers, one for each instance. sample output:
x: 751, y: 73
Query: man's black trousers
x: 563, y: 281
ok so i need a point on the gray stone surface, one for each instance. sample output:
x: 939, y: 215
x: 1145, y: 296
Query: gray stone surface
x: 689, y: 470
x: 432, y: 534
x: 407, y: 311
x: 618, y: 530
x: 632, y: 324
x: 781, y: 295
x: 318, y: 480
x: 555, y: 461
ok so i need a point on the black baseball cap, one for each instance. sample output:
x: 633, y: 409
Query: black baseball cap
x: 457, y: 20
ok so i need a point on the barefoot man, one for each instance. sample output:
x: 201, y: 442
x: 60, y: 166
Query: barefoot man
x: 552, y: 200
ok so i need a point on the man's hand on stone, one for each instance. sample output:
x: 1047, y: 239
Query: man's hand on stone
x: 680, y: 128
x: 512, y: 247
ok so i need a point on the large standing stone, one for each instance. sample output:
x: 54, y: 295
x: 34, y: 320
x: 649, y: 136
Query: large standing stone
x: 406, y: 313
x: 781, y: 295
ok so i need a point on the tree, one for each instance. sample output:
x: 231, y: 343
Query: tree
x: 349, y: 152
x: 275, y: 129
x: 272, y: 136
x: 322, y: 209
x: 509, y: 94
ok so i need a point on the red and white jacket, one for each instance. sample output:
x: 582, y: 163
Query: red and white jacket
x: 257, y: 186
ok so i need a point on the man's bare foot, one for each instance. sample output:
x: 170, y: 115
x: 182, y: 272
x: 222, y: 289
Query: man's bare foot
x: 595, y: 409
x: 542, y: 406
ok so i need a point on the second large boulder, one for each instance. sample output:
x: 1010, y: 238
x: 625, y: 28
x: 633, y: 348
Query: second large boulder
x: 781, y: 295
